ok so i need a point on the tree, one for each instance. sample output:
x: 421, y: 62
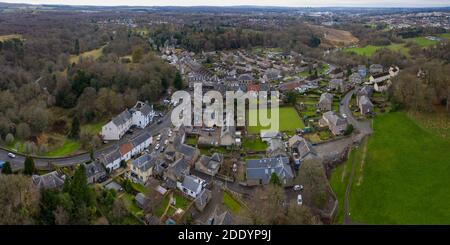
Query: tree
x: 9, y: 139
x: 274, y: 179
x: 349, y: 129
x: 75, y: 128
x: 178, y: 82
x: 29, y: 167
x: 6, y: 169
x: 19, y: 200
x: 23, y: 131
x: 164, y: 84
x: 291, y: 97
x: 76, y: 48
x: 137, y: 55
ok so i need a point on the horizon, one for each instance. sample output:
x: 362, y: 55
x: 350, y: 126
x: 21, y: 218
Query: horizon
x: 245, y: 3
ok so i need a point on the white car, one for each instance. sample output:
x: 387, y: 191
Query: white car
x: 166, y: 142
x: 11, y: 155
x: 344, y: 115
x: 298, y: 188
x: 158, y: 138
x: 157, y: 147
x: 299, y: 200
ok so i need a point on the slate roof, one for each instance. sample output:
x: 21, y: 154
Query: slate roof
x: 143, y: 107
x: 122, y: 118
x: 333, y: 118
x: 262, y: 169
x: 50, y: 180
x: 217, y: 218
x: 192, y: 183
x: 302, y: 145
x: 383, y: 74
x: 326, y: 97
x: 212, y: 163
x: 140, y: 139
x: 93, y: 169
x: 110, y: 157
x: 144, y: 162
x: 364, y: 100
x: 203, y: 199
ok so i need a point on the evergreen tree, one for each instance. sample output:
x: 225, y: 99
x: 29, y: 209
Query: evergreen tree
x: 178, y: 82
x: 75, y: 129
x: 6, y: 169
x: 164, y: 84
x: 29, y: 167
x: 274, y: 179
x: 76, y: 48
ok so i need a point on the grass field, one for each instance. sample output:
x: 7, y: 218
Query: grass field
x: 254, y: 144
x: 231, y: 203
x: 445, y: 35
x: 9, y: 37
x: 94, y: 54
x: 369, y: 50
x: 289, y: 120
x: 422, y: 41
x: 403, y: 178
x: 69, y: 147
x: 93, y: 128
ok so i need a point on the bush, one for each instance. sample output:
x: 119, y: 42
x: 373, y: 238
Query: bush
x: 9, y: 139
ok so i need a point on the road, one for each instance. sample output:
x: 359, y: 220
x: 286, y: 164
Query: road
x: 363, y: 127
x: 17, y: 163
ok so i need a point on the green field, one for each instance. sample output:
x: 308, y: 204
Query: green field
x: 422, y: 41
x: 93, y: 128
x: 289, y: 120
x: 403, y: 178
x: 254, y: 144
x: 231, y: 203
x: 369, y: 50
x: 445, y: 35
x: 69, y: 147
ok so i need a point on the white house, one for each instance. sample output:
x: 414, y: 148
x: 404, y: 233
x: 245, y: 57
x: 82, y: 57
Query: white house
x: 140, y: 143
x: 191, y: 185
x: 142, y: 114
x: 117, y: 127
x: 111, y: 161
x: 378, y: 78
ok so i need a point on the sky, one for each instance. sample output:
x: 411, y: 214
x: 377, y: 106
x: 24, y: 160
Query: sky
x: 287, y: 3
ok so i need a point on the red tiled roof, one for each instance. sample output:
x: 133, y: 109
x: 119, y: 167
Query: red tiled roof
x: 125, y: 148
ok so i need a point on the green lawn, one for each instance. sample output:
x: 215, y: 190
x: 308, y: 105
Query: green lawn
x: 369, y: 50
x: 288, y: 120
x: 93, y: 128
x: 69, y: 147
x: 181, y: 202
x: 254, y: 144
x: 422, y: 41
x: 445, y: 35
x: 231, y: 203
x: 405, y: 175
x: 130, y: 204
x: 191, y: 140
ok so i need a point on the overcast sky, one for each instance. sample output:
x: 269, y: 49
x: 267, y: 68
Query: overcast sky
x: 289, y: 3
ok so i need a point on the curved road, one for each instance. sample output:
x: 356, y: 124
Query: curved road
x: 17, y: 163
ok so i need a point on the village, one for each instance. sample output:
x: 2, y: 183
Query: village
x: 202, y: 175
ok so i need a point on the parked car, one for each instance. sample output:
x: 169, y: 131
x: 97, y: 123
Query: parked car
x: 299, y: 200
x: 166, y: 142
x: 298, y: 188
x: 159, y: 121
x: 344, y: 115
x: 11, y: 155
x: 162, y: 149
x: 157, y: 147
x: 158, y: 138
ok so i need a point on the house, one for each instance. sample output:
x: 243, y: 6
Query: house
x: 177, y: 170
x: 125, y: 151
x: 191, y: 185
x: 382, y: 86
x: 117, y: 127
x: 380, y: 77
x: 140, y: 143
x: 245, y: 79
x: 220, y: 218
x: 268, y: 135
x: 336, y: 73
x: 325, y: 102
x: 52, y: 180
x: 335, y: 123
x: 111, y: 161
x: 202, y: 199
x: 375, y: 68
x: 355, y: 78
x: 259, y: 171
x: 366, y: 90
x: 301, y: 149
x: 362, y: 70
x: 365, y: 105
x: 393, y: 71
x: 209, y: 165
x: 272, y: 74
x: 141, y: 168
x: 95, y: 172
x: 227, y: 135
x: 140, y: 200
x: 338, y: 85
x: 276, y: 148
x: 142, y: 114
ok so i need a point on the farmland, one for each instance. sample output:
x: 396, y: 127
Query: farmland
x: 403, y: 178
